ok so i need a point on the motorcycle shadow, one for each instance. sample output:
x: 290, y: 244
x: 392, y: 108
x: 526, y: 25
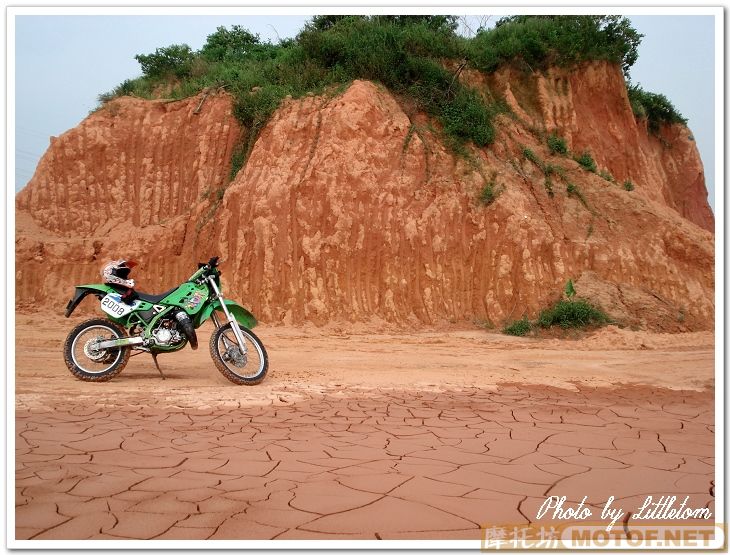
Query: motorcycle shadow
x: 153, y: 375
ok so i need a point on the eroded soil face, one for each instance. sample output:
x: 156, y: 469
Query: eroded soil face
x: 350, y: 209
x: 359, y: 436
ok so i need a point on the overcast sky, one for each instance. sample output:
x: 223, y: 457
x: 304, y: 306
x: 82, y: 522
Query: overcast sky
x: 64, y: 62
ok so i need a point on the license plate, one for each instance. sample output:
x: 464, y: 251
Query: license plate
x: 112, y: 304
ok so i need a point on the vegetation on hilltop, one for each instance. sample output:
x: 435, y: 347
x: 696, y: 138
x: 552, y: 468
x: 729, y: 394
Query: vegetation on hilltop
x: 407, y: 54
x: 544, y: 40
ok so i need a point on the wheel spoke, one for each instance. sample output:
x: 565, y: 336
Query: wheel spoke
x: 248, y: 364
x: 87, y: 357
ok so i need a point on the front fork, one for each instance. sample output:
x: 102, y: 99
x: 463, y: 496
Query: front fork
x: 229, y: 316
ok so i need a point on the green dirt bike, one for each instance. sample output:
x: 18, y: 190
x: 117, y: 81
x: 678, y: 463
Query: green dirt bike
x: 98, y: 349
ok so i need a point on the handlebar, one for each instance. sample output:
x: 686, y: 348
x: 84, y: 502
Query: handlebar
x: 205, y: 269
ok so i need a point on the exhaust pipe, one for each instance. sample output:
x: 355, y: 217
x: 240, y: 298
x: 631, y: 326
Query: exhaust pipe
x: 187, y: 327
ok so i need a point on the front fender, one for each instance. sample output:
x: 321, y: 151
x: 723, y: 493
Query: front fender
x: 98, y: 289
x: 242, y: 316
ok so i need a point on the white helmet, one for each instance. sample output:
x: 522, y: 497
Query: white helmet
x: 117, y: 272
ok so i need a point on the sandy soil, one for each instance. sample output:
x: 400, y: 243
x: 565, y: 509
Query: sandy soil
x: 359, y: 435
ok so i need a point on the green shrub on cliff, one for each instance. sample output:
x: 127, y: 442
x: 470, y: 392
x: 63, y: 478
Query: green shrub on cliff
x: 587, y: 162
x: 656, y: 108
x: 530, y: 155
x: 125, y: 88
x: 557, y: 145
x: 232, y: 44
x: 574, y: 191
x: 543, y: 40
x: 490, y: 192
x: 174, y: 60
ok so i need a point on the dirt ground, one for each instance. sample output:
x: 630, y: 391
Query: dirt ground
x: 359, y: 435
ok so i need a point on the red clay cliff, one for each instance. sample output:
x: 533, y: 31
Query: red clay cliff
x: 350, y: 209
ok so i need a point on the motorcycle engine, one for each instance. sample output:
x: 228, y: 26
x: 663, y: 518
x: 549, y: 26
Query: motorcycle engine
x: 166, y: 333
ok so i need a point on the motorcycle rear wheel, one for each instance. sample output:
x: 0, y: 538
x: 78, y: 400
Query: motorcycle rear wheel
x: 89, y: 364
x: 242, y: 369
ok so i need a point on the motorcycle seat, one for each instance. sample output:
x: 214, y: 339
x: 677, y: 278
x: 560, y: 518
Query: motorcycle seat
x: 150, y: 298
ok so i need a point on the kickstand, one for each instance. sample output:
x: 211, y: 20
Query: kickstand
x: 154, y: 357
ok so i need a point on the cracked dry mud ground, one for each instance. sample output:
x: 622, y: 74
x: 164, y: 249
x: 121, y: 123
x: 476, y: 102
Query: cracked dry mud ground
x: 323, y: 449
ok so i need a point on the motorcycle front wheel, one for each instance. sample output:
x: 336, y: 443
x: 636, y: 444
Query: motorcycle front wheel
x: 85, y: 360
x: 242, y: 368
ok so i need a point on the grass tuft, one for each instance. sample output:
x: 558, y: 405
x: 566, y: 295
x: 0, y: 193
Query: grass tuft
x: 573, y: 191
x: 557, y: 145
x: 489, y: 193
x: 572, y: 314
x: 518, y: 328
x: 530, y: 155
x: 605, y: 174
x: 587, y: 162
x: 549, y: 186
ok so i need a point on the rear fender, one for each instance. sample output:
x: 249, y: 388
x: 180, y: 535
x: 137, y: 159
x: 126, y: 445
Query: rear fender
x: 97, y: 289
x: 242, y: 316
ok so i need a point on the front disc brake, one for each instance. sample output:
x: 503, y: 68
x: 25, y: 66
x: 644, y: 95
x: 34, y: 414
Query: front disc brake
x: 233, y: 354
